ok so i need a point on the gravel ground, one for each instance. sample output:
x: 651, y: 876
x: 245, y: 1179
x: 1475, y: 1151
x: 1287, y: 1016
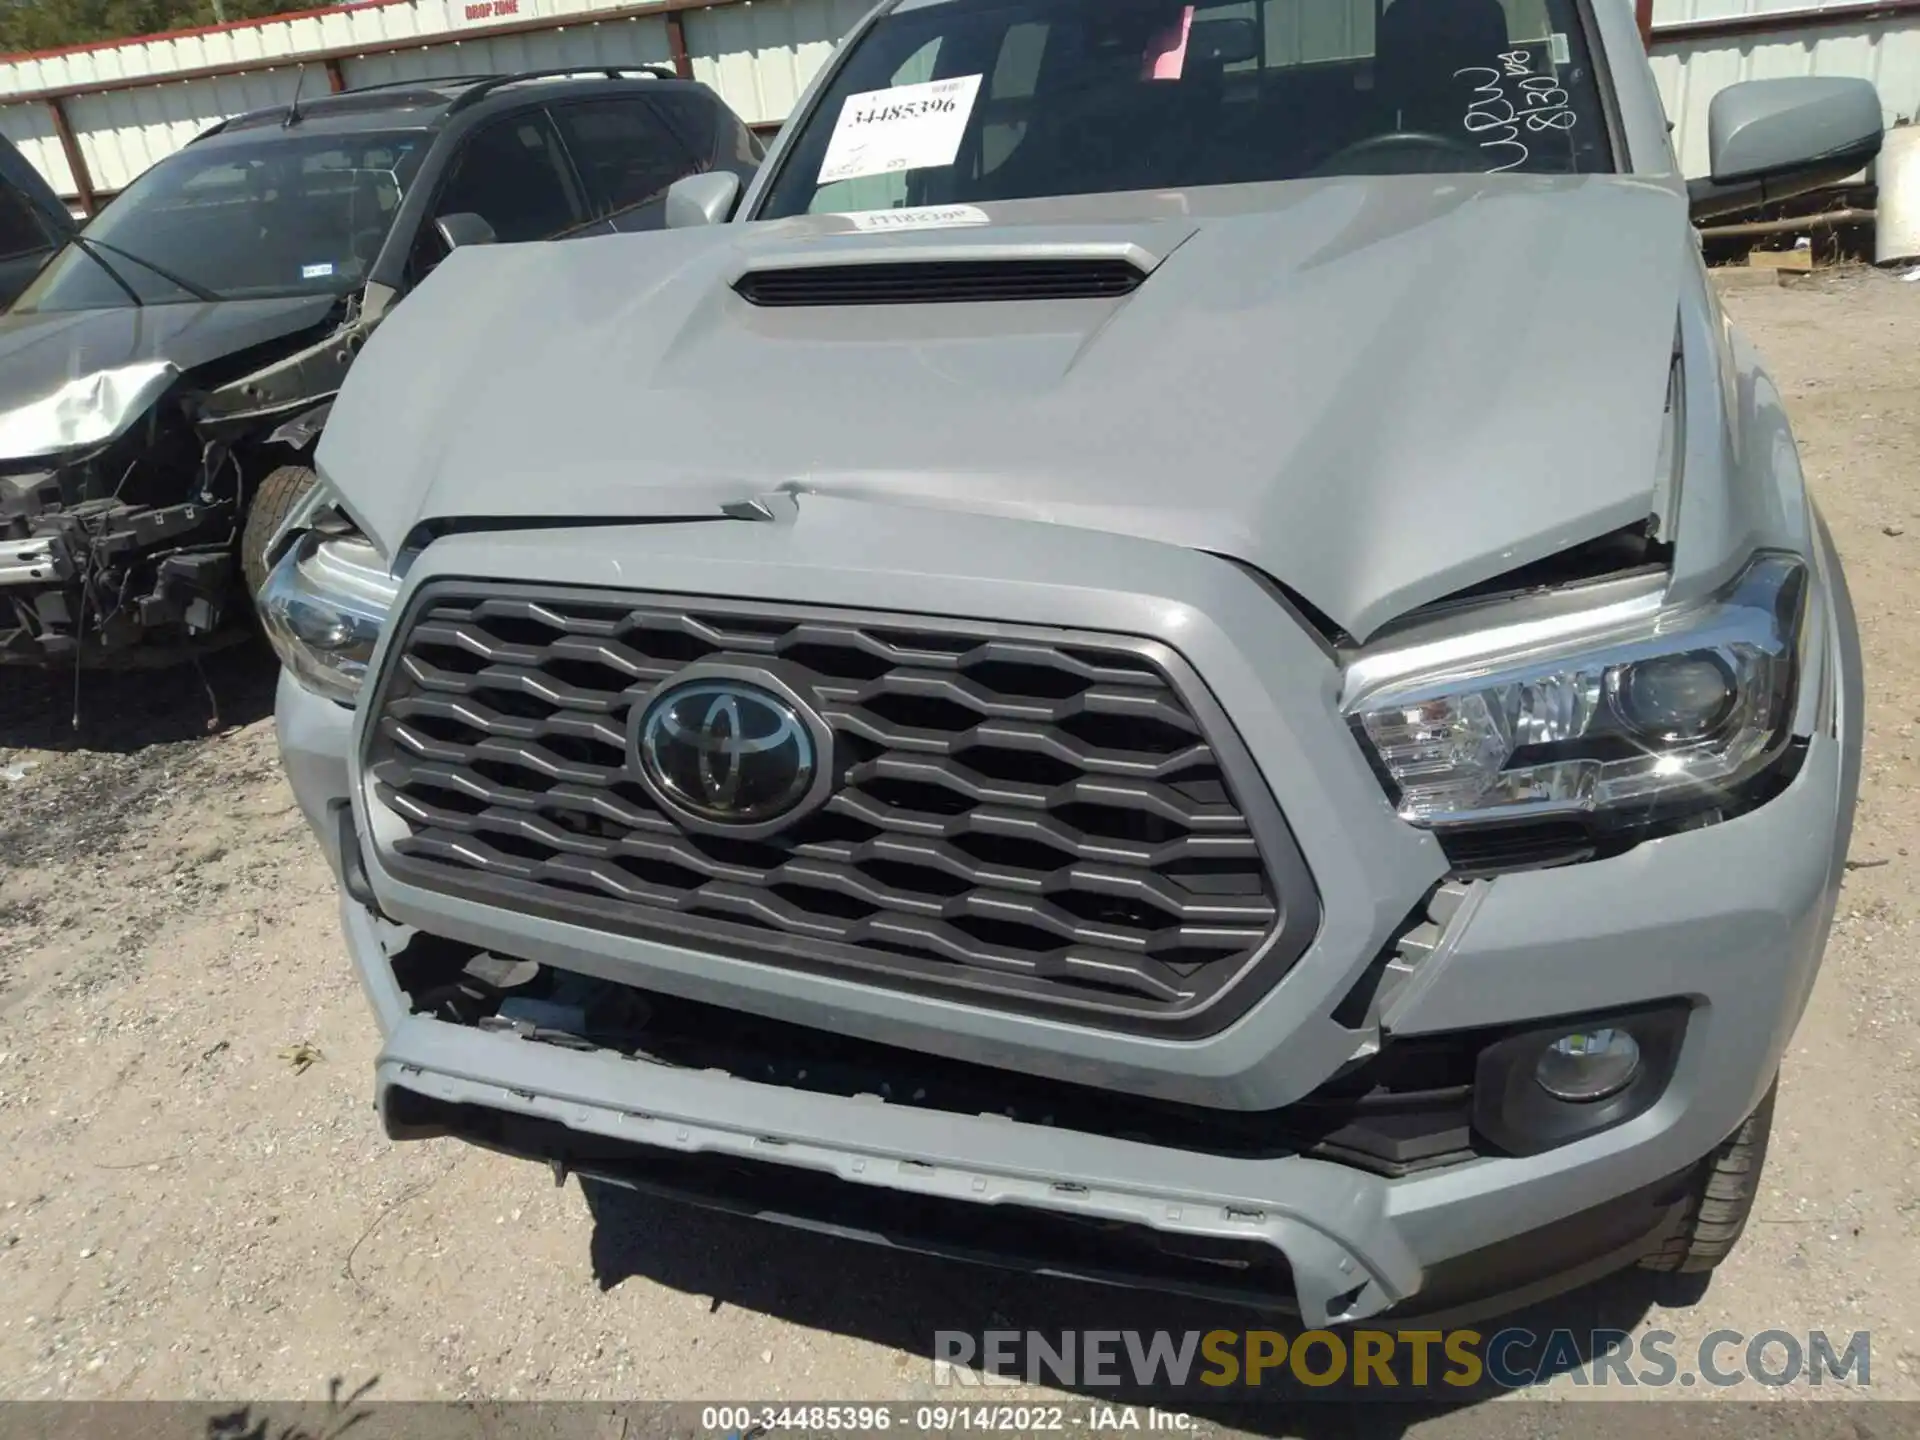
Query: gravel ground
x: 196, y: 1200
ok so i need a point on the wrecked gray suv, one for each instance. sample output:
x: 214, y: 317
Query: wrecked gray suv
x: 1183, y: 651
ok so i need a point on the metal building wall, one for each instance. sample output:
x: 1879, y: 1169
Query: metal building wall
x: 269, y: 42
x: 612, y: 42
x: 122, y: 132
x: 1691, y: 68
x: 760, y: 56
x: 30, y: 128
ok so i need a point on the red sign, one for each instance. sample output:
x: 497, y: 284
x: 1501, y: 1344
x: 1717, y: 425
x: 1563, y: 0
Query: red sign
x: 481, y: 12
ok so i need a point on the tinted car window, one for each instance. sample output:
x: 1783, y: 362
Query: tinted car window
x: 278, y: 214
x: 624, y: 152
x: 20, y: 229
x: 1005, y: 99
x: 708, y: 127
x: 691, y: 116
x: 513, y: 175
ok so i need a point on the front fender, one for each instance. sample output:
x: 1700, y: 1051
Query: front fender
x: 1742, y: 488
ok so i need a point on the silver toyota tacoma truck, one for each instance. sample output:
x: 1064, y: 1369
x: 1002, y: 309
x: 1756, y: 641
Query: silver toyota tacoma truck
x: 1181, y: 650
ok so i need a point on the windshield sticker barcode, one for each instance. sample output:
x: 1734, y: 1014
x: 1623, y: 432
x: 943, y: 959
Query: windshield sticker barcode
x: 316, y: 272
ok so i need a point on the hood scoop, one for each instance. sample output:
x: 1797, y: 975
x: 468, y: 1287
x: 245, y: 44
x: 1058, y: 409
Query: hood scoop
x: 942, y: 282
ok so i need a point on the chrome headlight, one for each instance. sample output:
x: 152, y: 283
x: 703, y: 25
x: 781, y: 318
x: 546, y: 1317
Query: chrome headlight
x: 324, y: 605
x: 1640, y: 708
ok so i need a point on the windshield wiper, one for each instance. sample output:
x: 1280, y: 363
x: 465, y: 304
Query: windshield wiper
x: 85, y: 247
x: 199, y: 292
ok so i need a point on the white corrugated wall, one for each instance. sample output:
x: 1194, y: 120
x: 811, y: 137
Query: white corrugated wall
x: 760, y: 57
x: 611, y: 42
x: 1689, y: 72
x: 269, y: 42
x: 122, y: 132
x: 30, y: 128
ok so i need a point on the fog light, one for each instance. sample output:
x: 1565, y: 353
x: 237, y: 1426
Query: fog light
x: 1565, y: 1079
x: 1588, y: 1065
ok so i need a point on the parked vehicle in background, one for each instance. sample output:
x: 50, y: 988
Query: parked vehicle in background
x: 163, y: 378
x: 33, y: 222
x: 1261, y: 708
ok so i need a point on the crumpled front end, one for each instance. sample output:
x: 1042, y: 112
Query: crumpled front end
x: 131, y: 442
x: 110, y: 538
x: 1109, y: 955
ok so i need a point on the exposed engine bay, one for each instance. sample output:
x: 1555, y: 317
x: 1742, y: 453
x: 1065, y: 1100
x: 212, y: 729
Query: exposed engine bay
x: 123, y: 494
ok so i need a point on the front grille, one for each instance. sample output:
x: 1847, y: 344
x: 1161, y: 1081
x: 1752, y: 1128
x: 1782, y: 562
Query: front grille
x: 943, y: 282
x: 1048, y: 821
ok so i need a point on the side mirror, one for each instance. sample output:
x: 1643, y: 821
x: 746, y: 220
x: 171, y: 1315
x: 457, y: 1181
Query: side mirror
x: 1768, y: 140
x: 463, y: 227
x: 704, y: 199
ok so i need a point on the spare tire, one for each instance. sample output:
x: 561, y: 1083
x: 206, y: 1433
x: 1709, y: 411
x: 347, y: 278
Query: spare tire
x: 272, y: 503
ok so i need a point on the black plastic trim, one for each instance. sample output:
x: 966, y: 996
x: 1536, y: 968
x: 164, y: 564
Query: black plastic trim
x: 353, y: 864
x: 1406, y: 1108
x: 942, y: 282
x: 1513, y: 1114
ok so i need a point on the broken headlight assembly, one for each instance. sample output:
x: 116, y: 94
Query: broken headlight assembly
x: 326, y: 599
x: 1630, y: 713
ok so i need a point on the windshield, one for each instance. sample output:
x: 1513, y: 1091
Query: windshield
x: 283, y: 214
x: 967, y: 100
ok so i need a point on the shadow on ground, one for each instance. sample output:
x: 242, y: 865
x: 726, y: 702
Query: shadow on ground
x: 120, y: 711
x: 900, y: 1300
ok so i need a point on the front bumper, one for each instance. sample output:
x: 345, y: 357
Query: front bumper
x: 1731, y: 918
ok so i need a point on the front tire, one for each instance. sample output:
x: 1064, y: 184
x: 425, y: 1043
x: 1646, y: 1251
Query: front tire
x: 272, y: 503
x: 1722, y: 1199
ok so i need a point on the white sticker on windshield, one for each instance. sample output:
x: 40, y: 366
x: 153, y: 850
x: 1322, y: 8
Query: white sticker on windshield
x: 1558, y: 48
x: 910, y: 127
x: 316, y: 272
x: 918, y: 217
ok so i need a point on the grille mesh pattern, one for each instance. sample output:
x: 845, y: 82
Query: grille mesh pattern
x: 1037, y: 816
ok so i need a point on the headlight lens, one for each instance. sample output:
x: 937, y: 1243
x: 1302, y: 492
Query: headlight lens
x: 1639, y: 708
x: 323, y: 607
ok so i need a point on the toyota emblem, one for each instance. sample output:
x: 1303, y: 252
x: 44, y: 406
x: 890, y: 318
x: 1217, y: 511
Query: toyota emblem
x: 721, y: 752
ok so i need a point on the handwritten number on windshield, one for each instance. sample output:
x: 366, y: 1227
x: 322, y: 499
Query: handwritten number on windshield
x: 1536, y: 104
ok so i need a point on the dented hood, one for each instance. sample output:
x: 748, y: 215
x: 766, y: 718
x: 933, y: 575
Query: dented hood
x: 74, y: 378
x: 1377, y: 391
